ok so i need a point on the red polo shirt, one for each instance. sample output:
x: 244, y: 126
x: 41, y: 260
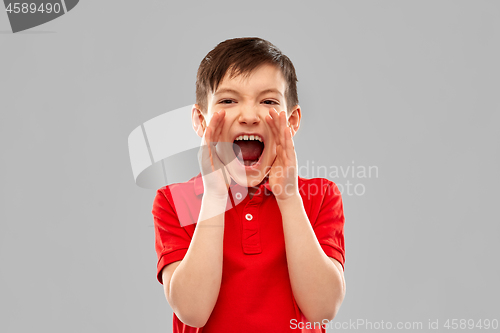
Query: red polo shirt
x: 255, y: 293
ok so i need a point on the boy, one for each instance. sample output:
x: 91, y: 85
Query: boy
x: 269, y: 261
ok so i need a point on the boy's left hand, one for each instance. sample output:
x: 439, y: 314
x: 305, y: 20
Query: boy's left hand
x: 283, y: 177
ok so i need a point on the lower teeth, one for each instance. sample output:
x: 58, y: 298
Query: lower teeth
x: 249, y: 163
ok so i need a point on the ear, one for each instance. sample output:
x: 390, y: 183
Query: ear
x: 294, y: 119
x: 198, y: 120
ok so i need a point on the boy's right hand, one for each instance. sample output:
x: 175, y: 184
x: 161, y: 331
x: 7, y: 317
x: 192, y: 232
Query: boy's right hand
x: 216, y: 178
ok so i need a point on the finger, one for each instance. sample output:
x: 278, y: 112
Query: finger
x: 205, y: 152
x: 211, y: 139
x: 207, y: 136
x: 208, y: 147
x: 276, y: 126
x: 283, y: 129
x: 212, y: 143
x: 270, y: 123
x: 214, y: 121
x: 209, y: 123
x: 272, y: 126
x: 279, y: 155
x: 290, y: 145
x: 219, y: 126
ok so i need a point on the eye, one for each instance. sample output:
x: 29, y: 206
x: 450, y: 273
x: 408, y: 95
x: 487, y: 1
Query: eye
x: 271, y: 102
x: 226, y: 101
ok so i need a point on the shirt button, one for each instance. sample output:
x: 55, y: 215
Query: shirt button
x: 249, y: 217
x: 238, y: 195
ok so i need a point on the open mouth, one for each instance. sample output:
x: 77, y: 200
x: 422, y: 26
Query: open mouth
x: 250, y: 146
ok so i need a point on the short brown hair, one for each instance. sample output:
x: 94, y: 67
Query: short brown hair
x: 242, y: 56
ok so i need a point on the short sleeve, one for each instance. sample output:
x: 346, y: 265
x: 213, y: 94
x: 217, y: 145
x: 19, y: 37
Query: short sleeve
x: 171, y: 239
x: 329, y: 225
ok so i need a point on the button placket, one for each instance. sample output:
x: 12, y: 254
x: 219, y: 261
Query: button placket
x: 251, y: 230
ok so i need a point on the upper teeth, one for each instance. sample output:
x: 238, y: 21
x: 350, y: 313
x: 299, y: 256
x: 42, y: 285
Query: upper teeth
x: 249, y: 137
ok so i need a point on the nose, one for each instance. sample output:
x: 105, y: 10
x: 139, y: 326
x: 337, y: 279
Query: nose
x: 249, y: 116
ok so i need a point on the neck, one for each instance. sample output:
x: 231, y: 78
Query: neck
x: 252, y: 190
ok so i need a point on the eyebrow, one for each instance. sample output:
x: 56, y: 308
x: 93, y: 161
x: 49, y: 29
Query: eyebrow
x: 228, y: 90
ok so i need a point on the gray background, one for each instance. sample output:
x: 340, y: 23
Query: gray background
x: 408, y: 86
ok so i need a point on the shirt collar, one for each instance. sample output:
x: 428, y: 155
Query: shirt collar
x: 198, y: 184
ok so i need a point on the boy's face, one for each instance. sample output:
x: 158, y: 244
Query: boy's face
x: 247, y: 102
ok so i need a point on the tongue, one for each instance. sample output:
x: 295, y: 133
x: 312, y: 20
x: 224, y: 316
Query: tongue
x: 251, y: 150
